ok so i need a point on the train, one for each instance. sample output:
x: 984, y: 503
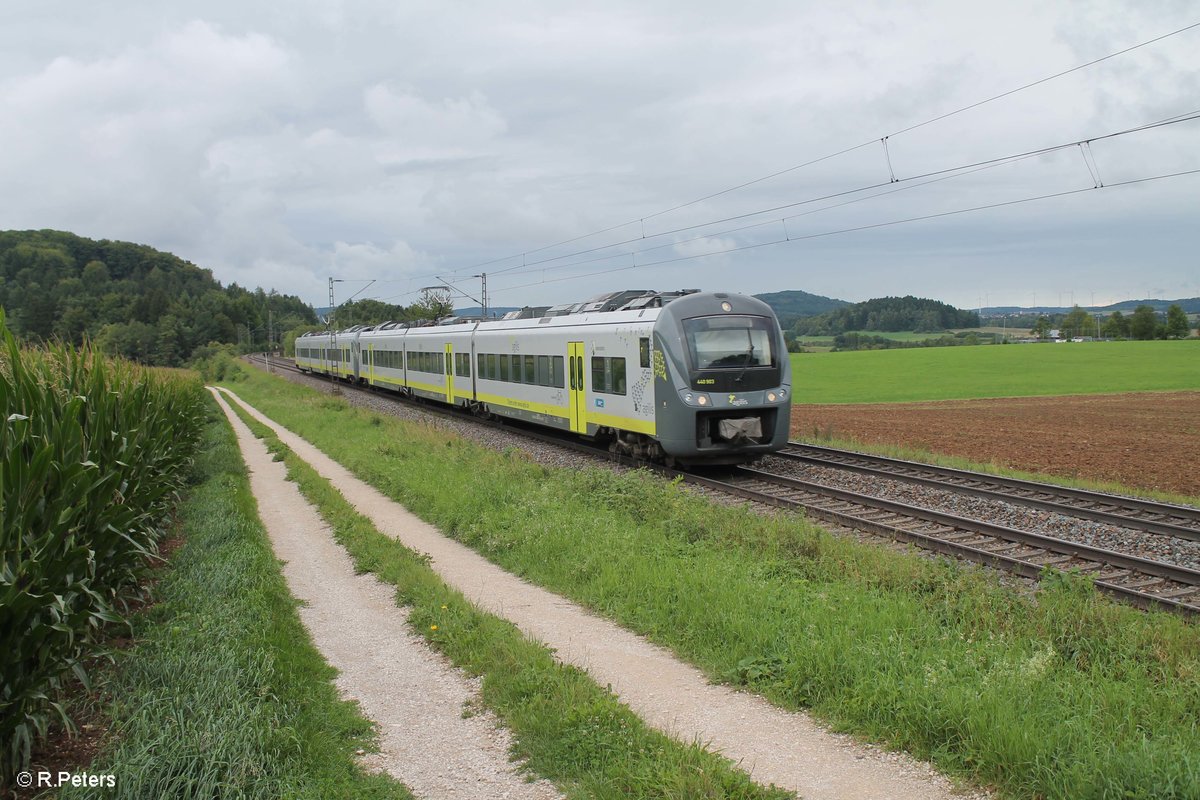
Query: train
x: 683, y: 378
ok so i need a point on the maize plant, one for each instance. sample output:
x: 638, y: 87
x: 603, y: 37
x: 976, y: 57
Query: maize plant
x: 92, y: 455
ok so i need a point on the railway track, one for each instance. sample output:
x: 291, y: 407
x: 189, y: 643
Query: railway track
x: 1141, y: 582
x: 1127, y: 512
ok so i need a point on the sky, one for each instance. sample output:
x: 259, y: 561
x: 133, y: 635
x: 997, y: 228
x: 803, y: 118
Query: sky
x: 567, y: 149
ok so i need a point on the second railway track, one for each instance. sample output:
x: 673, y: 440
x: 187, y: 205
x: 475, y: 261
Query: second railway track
x: 1128, y: 512
x: 1140, y: 581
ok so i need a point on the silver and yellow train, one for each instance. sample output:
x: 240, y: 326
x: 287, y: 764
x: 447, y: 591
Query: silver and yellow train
x: 683, y: 377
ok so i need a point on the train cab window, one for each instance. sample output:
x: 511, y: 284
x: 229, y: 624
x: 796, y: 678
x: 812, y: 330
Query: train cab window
x: 733, y: 341
x: 556, y: 372
x: 503, y: 367
x: 530, y: 370
x: 644, y: 351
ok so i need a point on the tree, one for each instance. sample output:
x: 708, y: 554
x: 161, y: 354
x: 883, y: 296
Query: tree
x: 1077, y: 323
x: 434, y: 304
x: 1116, y: 326
x: 1041, y: 328
x: 1144, y: 323
x: 1177, y: 322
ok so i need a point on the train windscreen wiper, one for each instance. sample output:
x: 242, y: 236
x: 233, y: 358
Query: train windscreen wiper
x: 749, y: 357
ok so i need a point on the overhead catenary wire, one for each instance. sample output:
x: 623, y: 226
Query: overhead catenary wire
x: 859, y: 228
x: 844, y: 151
x: 911, y: 182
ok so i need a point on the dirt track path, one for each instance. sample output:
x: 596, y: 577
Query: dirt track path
x: 414, y: 696
x: 773, y: 745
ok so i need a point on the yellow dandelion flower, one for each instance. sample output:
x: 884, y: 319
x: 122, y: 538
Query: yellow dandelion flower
x: 444, y: 608
x: 433, y: 627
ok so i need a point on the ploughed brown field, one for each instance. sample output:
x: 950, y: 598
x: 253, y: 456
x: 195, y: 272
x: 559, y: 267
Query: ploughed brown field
x: 1144, y: 440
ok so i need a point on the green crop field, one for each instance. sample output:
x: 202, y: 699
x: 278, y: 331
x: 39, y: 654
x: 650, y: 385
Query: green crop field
x: 1017, y: 370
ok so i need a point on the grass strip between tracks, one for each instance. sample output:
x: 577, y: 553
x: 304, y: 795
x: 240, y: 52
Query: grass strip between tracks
x: 566, y: 727
x: 223, y: 693
x: 1063, y: 695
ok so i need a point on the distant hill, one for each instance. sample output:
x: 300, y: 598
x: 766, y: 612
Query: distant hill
x: 1191, y: 305
x: 888, y: 314
x: 793, y: 305
x: 131, y: 299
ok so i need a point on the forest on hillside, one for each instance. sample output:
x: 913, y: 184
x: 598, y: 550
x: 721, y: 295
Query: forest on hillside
x: 130, y: 299
x: 888, y: 314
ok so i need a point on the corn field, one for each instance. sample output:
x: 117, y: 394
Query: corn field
x: 92, y: 455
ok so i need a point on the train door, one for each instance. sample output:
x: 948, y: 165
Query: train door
x: 449, y: 373
x: 371, y: 364
x: 578, y: 400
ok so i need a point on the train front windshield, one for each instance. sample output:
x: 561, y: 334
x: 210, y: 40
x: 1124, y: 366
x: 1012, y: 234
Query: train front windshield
x: 730, y: 342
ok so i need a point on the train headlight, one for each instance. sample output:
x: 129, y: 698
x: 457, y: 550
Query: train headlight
x: 702, y: 400
x: 772, y: 397
x: 726, y: 306
x: 687, y: 397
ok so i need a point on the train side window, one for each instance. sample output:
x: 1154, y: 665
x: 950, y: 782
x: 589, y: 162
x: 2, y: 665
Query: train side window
x: 644, y: 351
x: 608, y: 375
x: 530, y: 370
x: 556, y: 372
x: 543, y: 370
x: 503, y: 367
x: 492, y: 372
x: 599, y: 378
x: 479, y: 366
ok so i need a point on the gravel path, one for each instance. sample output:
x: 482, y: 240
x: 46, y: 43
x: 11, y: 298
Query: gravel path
x: 775, y: 746
x: 412, y: 694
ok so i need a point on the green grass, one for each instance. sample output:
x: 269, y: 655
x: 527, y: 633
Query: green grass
x: 223, y: 694
x: 566, y: 728
x: 1065, y: 695
x: 1015, y: 370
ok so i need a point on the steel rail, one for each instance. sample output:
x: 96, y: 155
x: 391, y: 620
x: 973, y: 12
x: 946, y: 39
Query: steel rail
x: 1143, y: 582
x: 1127, y: 512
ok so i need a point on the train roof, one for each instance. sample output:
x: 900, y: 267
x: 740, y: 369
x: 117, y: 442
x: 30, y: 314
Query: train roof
x: 606, y: 308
